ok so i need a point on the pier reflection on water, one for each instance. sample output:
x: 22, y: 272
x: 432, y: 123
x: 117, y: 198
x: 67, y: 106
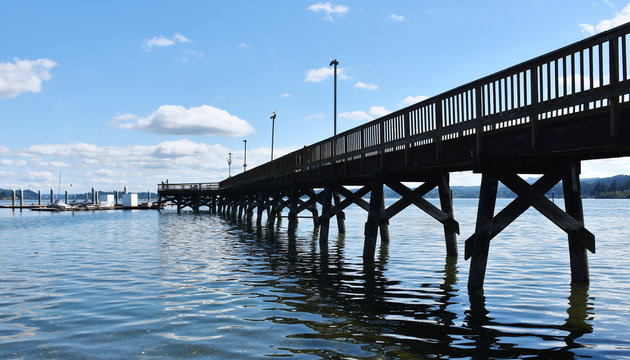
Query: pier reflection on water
x: 344, y: 308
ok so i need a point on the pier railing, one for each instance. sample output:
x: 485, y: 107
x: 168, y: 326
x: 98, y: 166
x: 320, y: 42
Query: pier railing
x: 585, y: 76
x: 188, y: 186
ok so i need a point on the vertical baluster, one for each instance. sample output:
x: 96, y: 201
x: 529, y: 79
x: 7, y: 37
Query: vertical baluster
x: 564, y: 76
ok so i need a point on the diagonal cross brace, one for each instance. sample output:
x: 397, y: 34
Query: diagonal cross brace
x: 550, y: 210
x: 511, y: 212
x: 426, y: 206
x: 404, y: 202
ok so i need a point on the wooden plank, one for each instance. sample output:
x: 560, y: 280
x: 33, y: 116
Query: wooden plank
x: 548, y: 208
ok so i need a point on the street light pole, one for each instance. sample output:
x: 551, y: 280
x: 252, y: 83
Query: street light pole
x: 273, y: 125
x: 229, y: 164
x: 335, y: 63
x: 245, y: 156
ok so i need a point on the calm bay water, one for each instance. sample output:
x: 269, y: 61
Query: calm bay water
x: 143, y: 284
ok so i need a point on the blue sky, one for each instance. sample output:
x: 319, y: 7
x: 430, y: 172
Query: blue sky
x: 134, y: 92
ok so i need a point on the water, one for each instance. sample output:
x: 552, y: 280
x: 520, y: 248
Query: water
x: 143, y: 284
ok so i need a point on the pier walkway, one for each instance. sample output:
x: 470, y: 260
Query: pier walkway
x: 543, y: 116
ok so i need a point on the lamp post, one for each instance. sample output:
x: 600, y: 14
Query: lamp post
x: 335, y: 63
x: 245, y: 156
x: 229, y: 164
x: 273, y: 125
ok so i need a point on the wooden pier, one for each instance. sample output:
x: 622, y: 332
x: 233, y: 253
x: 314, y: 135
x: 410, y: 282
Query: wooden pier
x: 543, y: 116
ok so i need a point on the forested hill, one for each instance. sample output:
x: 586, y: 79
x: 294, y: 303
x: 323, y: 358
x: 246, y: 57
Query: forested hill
x: 616, y: 187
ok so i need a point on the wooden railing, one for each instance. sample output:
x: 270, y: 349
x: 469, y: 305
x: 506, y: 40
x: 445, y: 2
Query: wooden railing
x: 587, y: 75
x: 188, y: 186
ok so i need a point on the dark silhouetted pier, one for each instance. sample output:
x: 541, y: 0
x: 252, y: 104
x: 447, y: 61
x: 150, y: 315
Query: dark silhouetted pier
x: 543, y: 116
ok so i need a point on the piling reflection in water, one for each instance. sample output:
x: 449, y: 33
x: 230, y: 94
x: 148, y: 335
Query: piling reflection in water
x: 355, y: 309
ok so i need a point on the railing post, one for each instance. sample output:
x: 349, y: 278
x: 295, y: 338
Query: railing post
x: 613, y: 59
x: 407, y: 134
x: 533, y: 119
x: 438, y: 127
x: 479, y: 119
x: 382, y: 140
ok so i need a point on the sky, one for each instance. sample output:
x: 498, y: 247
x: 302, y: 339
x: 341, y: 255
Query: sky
x: 131, y: 93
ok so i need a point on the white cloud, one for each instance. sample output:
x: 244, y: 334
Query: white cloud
x: 329, y: 9
x: 621, y: 17
x: 397, y: 18
x: 24, y: 75
x: 321, y: 74
x: 124, y: 121
x: 139, y: 166
x: 161, y: 41
x: 8, y: 162
x: 243, y: 46
x: 286, y: 95
x: 357, y: 115
x: 178, y: 120
x: 378, y: 111
x: 312, y: 117
x: 410, y: 100
x: 362, y: 85
x: 180, y: 38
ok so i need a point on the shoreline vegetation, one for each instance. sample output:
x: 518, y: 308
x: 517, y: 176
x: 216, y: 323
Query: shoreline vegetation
x: 615, y: 187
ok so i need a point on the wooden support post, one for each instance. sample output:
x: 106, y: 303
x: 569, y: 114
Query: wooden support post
x: 179, y: 201
x: 481, y: 243
x: 446, y: 202
x: 383, y: 224
x: 373, y: 220
x: 272, y: 212
x: 341, y: 216
x: 251, y: 204
x: 313, y: 210
x: 293, y: 207
x: 573, y: 206
x: 196, y: 203
x: 261, y: 208
x: 241, y: 205
x: 324, y: 220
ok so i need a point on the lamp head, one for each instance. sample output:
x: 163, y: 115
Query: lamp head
x: 334, y: 62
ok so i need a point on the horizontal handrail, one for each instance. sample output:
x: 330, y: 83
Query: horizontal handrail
x: 188, y: 186
x: 589, y: 74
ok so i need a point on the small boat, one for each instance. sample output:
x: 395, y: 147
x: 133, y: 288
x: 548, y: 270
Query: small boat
x: 59, y: 205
